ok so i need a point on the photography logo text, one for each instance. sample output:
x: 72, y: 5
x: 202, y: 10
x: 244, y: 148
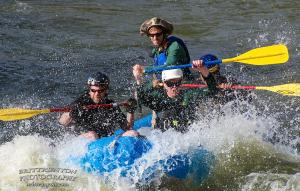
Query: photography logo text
x: 47, y: 177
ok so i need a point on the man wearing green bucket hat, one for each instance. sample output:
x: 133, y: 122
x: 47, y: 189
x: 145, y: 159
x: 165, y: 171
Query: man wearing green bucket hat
x: 168, y: 49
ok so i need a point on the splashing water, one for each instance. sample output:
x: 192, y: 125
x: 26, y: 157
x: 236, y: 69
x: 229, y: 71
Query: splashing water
x: 245, y: 159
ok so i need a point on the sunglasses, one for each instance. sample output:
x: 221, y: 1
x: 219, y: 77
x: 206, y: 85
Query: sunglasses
x: 155, y: 34
x: 173, y: 84
x: 99, y: 91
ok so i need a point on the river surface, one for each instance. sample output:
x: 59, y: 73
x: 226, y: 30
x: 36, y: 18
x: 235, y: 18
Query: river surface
x: 48, y: 49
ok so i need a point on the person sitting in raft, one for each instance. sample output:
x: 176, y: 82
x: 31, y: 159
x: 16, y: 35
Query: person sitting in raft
x: 214, y: 69
x: 97, y: 122
x: 225, y: 94
x: 175, y: 106
x: 168, y: 50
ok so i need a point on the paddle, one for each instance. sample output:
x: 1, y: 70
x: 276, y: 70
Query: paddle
x: 285, y: 89
x: 275, y: 54
x: 12, y: 114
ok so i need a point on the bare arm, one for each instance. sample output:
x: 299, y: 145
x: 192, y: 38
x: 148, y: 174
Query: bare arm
x: 130, y: 120
x: 138, y: 73
x: 199, y: 65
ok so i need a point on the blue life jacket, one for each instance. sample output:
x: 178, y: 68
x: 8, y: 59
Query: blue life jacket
x: 160, y: 60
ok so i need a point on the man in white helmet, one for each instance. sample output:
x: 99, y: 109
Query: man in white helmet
x: 175, y: 107
x: 171, y: 81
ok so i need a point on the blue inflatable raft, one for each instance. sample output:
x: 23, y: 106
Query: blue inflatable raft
x: 121, y: 153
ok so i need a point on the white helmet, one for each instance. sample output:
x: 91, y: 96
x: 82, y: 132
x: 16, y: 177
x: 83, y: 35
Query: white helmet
x: 171, y: 74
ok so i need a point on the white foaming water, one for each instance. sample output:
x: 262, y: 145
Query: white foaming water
x: 22, y: 153
x: 270, y: 181
x: 35, y: 153
x: 222, y: 134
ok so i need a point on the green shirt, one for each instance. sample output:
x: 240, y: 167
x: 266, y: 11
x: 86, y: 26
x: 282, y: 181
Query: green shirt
x: 175, y: 54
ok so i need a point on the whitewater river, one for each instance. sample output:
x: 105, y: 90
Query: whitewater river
x: 49, y: 48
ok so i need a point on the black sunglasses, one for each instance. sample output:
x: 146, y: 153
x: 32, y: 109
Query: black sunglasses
x: 155, y: 34
x: 99, y: 91
x: 173, y: 84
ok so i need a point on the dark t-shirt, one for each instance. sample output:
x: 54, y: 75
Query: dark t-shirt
x: 104, y: 121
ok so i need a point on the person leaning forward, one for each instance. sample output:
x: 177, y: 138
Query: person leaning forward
x: 175, y: 107
x: 98, y: 122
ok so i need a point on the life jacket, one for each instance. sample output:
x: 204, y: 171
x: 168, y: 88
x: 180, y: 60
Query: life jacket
x: 161, y: 58
x: 177, y: 115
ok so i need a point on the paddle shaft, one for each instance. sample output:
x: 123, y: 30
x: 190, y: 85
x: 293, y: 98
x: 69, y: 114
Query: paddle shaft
x: 292, y: 89
x: 12, y: 114
x: 235, y: 87
x: 94, y: 106
x: 207, y: 63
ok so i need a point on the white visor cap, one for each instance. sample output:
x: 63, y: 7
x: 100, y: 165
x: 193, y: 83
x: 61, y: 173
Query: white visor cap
x: 171, y: 74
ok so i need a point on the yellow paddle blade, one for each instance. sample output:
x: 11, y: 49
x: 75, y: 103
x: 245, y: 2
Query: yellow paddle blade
x: 275, y: 54
x: 12, y: 114
x: 285, y: 89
